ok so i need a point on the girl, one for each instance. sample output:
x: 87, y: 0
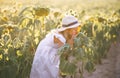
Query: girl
x: 46, y: 60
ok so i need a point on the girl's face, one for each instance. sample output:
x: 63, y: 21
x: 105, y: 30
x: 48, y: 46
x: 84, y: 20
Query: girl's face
x: 73, y: 31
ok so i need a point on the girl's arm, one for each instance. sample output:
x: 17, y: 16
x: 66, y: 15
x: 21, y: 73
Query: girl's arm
x: 58, y: 42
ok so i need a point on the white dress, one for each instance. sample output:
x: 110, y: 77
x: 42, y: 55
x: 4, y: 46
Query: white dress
x: 46, y: 59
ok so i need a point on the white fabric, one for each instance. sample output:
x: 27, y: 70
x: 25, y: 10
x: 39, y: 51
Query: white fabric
x: 68, y: 19
x: 46, y: 60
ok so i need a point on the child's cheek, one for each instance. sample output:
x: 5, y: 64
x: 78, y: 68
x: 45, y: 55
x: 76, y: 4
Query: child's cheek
x: 74, y: 33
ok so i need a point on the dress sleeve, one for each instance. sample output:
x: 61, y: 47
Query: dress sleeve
x: 60, y: 37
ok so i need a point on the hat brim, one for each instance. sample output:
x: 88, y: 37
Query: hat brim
x: 65, y: 28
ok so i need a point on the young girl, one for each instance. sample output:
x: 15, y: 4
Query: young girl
x: 46, y: 60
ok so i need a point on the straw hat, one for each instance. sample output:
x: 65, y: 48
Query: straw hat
x: 69, y: 22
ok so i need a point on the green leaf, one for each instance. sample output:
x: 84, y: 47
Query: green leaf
x: 67, y: 67
x: 89, y: 66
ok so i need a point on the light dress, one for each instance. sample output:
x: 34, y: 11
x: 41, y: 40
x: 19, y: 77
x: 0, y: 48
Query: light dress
x: 46, y: 60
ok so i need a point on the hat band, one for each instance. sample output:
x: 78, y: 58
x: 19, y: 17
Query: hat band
x: 70, y: 24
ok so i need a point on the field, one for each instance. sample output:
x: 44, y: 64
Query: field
x: 24, y: 23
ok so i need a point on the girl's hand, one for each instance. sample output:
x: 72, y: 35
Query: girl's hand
x: 71, y: 41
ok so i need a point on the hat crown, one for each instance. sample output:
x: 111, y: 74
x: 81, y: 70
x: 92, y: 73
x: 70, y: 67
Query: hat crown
x: 68, y: 20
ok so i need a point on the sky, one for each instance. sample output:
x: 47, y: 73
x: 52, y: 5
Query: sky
x: 62, y: 3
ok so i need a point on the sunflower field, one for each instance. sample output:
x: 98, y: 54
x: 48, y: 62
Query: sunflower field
x: 23, y: 27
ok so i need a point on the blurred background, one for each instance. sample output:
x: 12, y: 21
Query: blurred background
x: 24, y: 23
x: 86, y: 4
